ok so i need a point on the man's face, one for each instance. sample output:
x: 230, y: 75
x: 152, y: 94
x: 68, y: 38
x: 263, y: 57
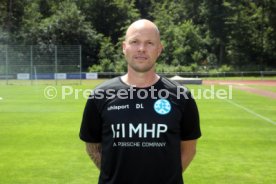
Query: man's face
x: 142, y: 48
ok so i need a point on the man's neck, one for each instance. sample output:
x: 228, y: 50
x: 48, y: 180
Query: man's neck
x: 140, y: 80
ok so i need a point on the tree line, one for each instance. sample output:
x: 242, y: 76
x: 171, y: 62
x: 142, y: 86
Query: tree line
x: 198, y: 35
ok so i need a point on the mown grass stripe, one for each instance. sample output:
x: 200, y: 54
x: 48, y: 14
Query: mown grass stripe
x: 250, y: 111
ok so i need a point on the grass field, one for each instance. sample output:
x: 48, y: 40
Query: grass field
x: 39, y: 138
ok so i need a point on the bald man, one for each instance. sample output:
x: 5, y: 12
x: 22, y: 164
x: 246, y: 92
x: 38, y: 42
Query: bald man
x: 141, y: 128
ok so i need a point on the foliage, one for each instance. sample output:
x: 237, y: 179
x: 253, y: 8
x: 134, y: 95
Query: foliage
x: 109, y: 17
x: 182, y: 41
x: 203, y: 33
x: 110, y: 58
x: 65, y: 26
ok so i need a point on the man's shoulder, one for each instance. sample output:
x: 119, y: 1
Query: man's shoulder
x: 113, y: 83
x: 171, y: 85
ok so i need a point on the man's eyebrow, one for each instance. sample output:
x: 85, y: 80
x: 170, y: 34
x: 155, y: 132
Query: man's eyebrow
x: 133, y: 38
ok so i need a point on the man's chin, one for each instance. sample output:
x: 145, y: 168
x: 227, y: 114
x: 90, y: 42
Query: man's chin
x: 142, y: 69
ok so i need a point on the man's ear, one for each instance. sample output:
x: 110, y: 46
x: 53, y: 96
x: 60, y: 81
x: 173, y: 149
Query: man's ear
x: 160, y: 49
x: 124, y: 47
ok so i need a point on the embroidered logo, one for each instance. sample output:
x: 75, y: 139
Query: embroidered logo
x: 162, y: 106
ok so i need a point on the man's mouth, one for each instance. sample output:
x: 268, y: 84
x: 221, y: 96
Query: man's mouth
x: 141, y: 57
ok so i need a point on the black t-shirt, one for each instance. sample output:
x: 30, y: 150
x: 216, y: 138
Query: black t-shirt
x: 140, y: 130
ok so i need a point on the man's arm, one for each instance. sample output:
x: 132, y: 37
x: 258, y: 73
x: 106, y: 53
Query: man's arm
x: 188, y: 151
x: 94, y: 151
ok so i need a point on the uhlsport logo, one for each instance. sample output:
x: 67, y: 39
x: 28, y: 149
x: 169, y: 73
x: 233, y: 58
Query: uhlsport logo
x: 162, y: 106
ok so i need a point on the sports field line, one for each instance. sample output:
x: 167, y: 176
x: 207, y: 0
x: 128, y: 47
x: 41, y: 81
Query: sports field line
x: 250, y: 111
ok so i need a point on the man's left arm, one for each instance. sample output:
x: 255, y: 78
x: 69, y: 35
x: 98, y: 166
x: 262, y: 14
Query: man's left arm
x: 188, y: 151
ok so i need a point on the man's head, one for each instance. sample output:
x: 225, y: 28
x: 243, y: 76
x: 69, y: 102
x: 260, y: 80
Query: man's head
x: 142, y: 45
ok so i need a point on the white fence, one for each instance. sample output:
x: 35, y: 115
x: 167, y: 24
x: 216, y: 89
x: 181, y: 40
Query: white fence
x: 202, y: 74
x: 59, y: 62
x: 33, y: 62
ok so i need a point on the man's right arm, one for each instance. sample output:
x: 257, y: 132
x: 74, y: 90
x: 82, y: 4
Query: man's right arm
x: 94, y: 151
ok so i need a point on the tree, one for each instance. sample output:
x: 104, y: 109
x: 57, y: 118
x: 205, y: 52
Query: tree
x: 210, y: 31
x: 269, y: 32
x: 192, y: 11
x: 12, y: 12
x: 66, y: 26
x: 247, y: 35
x: 110, y: 18
x: 183, y: 44
x: 145, y: 7
x: 215, y: 13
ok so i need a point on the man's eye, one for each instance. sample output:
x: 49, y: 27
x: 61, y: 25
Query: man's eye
x: 133, y: 42
x: 150, y: 43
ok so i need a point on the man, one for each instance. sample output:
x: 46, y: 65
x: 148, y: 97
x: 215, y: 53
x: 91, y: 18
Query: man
x: 137, y: 128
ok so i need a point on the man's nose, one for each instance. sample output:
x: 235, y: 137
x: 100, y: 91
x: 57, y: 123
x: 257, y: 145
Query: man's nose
x: 141, y: 47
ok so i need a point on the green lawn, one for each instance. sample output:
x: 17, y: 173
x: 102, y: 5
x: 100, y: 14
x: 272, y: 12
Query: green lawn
x: 236, y: 147
x: 39, y: 139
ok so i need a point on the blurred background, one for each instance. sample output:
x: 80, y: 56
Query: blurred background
x: 206, y: 36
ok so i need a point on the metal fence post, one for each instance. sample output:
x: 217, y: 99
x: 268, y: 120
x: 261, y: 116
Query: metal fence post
x: 56, y: 69
x: 31, y: 63
x: 80, y: 64
x: 262, y: 74
x: 7, y: 72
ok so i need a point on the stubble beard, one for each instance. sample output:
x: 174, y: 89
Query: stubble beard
x: 141, y: 69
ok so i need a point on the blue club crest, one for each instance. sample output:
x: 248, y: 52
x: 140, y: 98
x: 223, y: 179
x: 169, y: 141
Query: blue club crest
x: 162, y: 106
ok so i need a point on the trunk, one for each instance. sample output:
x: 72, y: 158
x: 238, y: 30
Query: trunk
x: 9, y: 14
x: 221, y: 52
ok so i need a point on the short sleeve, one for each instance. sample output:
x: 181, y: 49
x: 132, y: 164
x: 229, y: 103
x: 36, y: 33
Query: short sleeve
x: 91, y: 125
x: 190, y: 127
